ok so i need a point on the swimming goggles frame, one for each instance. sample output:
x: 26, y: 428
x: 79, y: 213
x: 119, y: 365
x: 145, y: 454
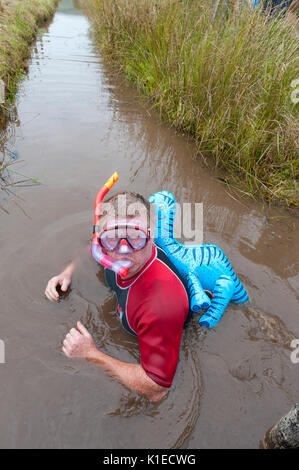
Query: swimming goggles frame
x: 129, y: 240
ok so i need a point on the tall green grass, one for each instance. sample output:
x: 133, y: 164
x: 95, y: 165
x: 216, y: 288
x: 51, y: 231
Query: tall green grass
x: 19, y: 23
x: 222, y: 76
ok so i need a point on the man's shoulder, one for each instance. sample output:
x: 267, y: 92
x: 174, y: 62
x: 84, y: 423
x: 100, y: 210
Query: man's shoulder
x: 160, y: 287
x: 161, y: 272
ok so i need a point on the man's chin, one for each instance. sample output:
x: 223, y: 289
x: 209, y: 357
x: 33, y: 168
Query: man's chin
x: 132, y: 271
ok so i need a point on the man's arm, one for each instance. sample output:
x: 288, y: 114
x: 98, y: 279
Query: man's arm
x: 79, y: 343
x: 63, y: 279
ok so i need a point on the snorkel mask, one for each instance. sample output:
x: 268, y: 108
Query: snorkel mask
x: 120, y: 267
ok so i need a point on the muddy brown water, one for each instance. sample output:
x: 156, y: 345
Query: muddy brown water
x: 75, y: 126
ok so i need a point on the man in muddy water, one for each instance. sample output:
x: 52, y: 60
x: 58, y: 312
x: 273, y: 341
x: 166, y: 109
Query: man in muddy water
x: 152, y: 301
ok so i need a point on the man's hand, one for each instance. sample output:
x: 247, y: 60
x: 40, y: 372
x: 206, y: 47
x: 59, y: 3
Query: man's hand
x: 79, y: 343
x: 63, y: 280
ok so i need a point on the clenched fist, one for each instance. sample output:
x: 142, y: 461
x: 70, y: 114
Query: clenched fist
x: 79, y: 343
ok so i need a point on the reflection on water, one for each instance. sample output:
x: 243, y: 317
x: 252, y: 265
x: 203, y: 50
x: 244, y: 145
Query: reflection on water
x: 77, y: 123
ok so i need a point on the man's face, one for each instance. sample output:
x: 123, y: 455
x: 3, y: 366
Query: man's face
x: 137, y: 258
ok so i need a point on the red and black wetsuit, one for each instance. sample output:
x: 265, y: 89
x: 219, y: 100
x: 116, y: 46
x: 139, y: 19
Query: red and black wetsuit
x: 154, y: 306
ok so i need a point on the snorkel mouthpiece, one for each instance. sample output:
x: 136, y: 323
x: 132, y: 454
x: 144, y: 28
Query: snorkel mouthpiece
x: 119, y: 267
x: 123, y: 272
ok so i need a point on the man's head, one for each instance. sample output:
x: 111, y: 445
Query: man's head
x: 126, y: 218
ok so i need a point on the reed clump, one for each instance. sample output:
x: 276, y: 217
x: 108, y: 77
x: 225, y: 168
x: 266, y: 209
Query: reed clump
x: 19, y: 22
x: 224, y: 76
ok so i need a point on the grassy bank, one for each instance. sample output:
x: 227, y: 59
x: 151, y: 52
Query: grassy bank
x: 19, y: 22
x: 224, y: 78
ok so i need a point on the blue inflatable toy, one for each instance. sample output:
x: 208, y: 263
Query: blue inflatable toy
x: 205, y: 267
x: 272, y: 4
x: 274, y: 7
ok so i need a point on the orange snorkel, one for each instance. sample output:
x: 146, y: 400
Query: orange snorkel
x: 96, y: 250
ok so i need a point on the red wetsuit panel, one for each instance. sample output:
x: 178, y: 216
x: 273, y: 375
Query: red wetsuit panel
x: 155, y: 306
